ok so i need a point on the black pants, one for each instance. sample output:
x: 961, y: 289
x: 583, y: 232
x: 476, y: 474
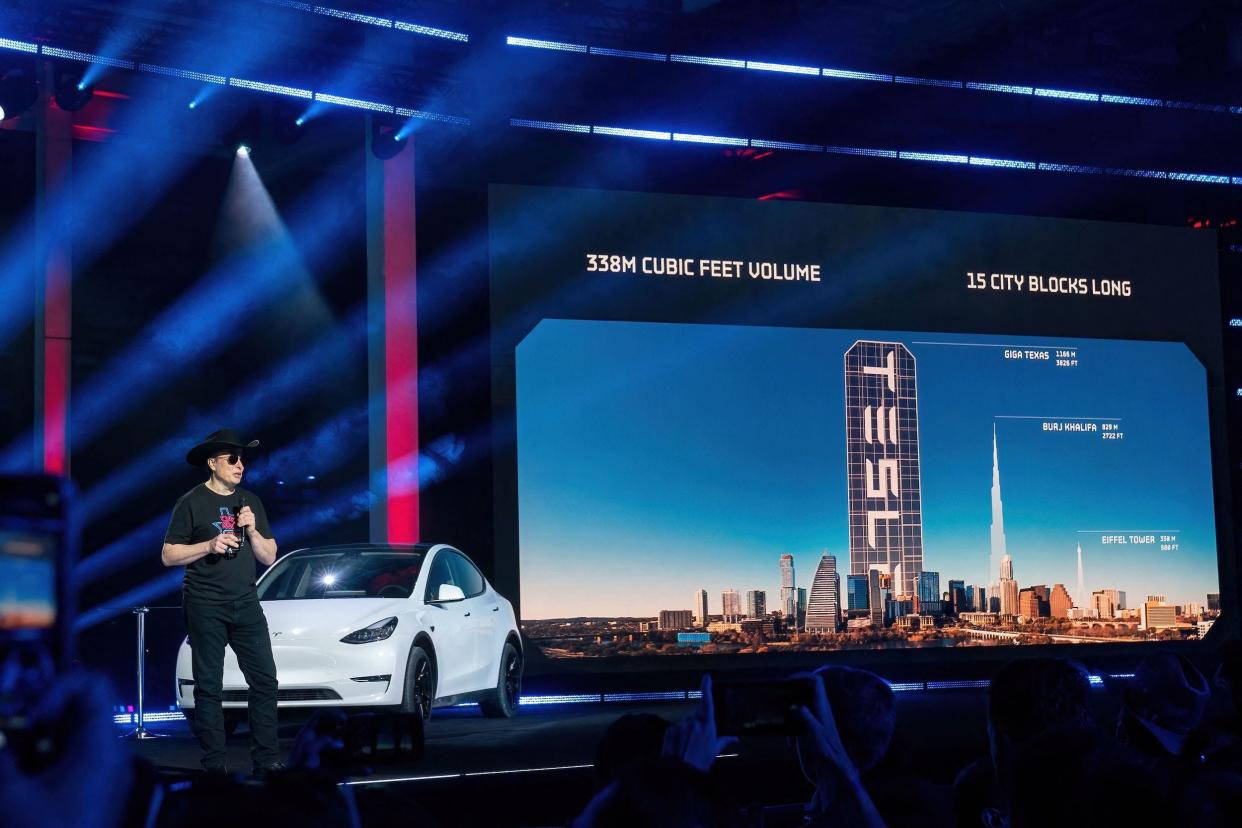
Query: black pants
x: 241, y: 625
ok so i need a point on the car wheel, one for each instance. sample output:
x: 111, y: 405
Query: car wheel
x: 420, y: 684
x: 502, y: 702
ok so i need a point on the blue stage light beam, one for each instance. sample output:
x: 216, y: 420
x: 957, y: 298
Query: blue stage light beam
x: 88, y: 217
x: 346, y: 503
x: 126, y: 32
x: 288, y: 385
x: 267, y: 264
x: 141, y: 595
x: 354, y: 76
x: 272, y: 267
x: 322, y: 450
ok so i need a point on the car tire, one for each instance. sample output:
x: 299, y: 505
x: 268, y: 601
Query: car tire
x: 502, y: 703
x: 420, y: 684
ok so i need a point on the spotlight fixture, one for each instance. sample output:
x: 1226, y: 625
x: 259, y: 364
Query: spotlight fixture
x: 70, y: 91
x: 288, y: 122
x: 386, y: 141
x: 18, y: 91
x: 243, y: 127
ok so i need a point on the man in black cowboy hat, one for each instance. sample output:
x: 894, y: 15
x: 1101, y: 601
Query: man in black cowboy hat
x: 217, y: 532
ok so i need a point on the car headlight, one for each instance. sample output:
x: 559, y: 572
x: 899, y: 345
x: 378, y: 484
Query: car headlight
x: 376, y: 632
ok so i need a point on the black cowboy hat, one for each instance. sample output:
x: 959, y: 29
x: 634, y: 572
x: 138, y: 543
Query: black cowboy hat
x: 217, y: 442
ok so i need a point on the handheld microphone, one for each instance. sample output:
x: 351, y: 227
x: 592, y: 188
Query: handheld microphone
x: 238, y: 532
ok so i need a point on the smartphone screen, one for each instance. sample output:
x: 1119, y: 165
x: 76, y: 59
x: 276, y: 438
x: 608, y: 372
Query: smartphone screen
x: 27, y: 584
x: 764, y: 707
x: 38, y: 545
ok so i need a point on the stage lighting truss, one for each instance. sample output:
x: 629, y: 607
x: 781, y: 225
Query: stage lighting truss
x: 249, y: 84
x: 963, y: 159
x: 846, y: 74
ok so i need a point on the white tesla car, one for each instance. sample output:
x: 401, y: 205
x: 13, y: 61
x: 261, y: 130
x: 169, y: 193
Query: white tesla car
x: 402, y: 627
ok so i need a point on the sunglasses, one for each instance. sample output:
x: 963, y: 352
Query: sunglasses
x: 231, y: 459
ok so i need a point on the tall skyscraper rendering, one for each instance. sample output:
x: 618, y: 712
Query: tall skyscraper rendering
x: 957, y: 597
x: 876, y: 596
x: 882, y: 462
x: 999, y: 551
x: 700, y: 607
x: 930, y: 602
x: 789, y: 595
x: 856, y: 598
x: 1006, y: 568
x: 1104, y: 603
x: 1081, y: 599
x: 756, y: 603
x: 731, y: 605
x: 1008, y: 587
x: 801, y: 608
x: 1059, y: 602
x: 823, y: 611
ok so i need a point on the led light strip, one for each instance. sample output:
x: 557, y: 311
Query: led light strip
x: 237, y: 83
x: 878, y: 77
x: 19, y: 45
x: 353, y: 103
x: 184, y: 74
x: 273, y: 88
x: 877, y: 152
x: 371, y: 20
x: 85, y: 57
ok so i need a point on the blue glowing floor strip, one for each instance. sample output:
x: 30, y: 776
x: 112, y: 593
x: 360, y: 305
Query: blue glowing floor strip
x: 839, y: 73
x: 879, y: 152
x: 655, y: 696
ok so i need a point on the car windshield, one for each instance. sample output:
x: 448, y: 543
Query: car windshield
x: 342, y: 573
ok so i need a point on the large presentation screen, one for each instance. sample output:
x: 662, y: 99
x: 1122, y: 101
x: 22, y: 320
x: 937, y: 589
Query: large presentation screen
x: 739, y: 426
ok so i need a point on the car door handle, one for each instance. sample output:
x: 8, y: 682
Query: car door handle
x: 467, y: 615
x: 496, y: 609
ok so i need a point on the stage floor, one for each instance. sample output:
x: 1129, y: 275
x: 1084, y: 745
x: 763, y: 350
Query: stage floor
x: 459, y: 741
x: 537, y: 768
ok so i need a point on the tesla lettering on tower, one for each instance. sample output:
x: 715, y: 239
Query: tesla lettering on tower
x: 882, y: 460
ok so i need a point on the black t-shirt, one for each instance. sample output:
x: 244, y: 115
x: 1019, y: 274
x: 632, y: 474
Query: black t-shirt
x: 200, y: 515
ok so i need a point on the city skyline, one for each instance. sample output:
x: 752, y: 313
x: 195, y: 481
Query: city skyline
x: 663, y: 499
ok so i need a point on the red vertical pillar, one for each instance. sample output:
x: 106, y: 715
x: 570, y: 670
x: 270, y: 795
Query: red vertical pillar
x: 392, y: 348
x: 54, y: 286
x: 401, y: 348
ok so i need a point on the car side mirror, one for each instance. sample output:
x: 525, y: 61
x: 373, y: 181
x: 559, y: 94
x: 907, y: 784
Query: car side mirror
x: 450, y: 592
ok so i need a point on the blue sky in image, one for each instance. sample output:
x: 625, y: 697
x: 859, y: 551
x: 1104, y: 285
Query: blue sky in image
x: 656, y: 459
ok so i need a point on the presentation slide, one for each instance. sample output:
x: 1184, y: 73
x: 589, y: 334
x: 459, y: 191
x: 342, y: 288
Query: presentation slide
x: 744, y: 427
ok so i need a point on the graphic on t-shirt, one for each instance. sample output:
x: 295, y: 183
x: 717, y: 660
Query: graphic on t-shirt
x: 227, y: 521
